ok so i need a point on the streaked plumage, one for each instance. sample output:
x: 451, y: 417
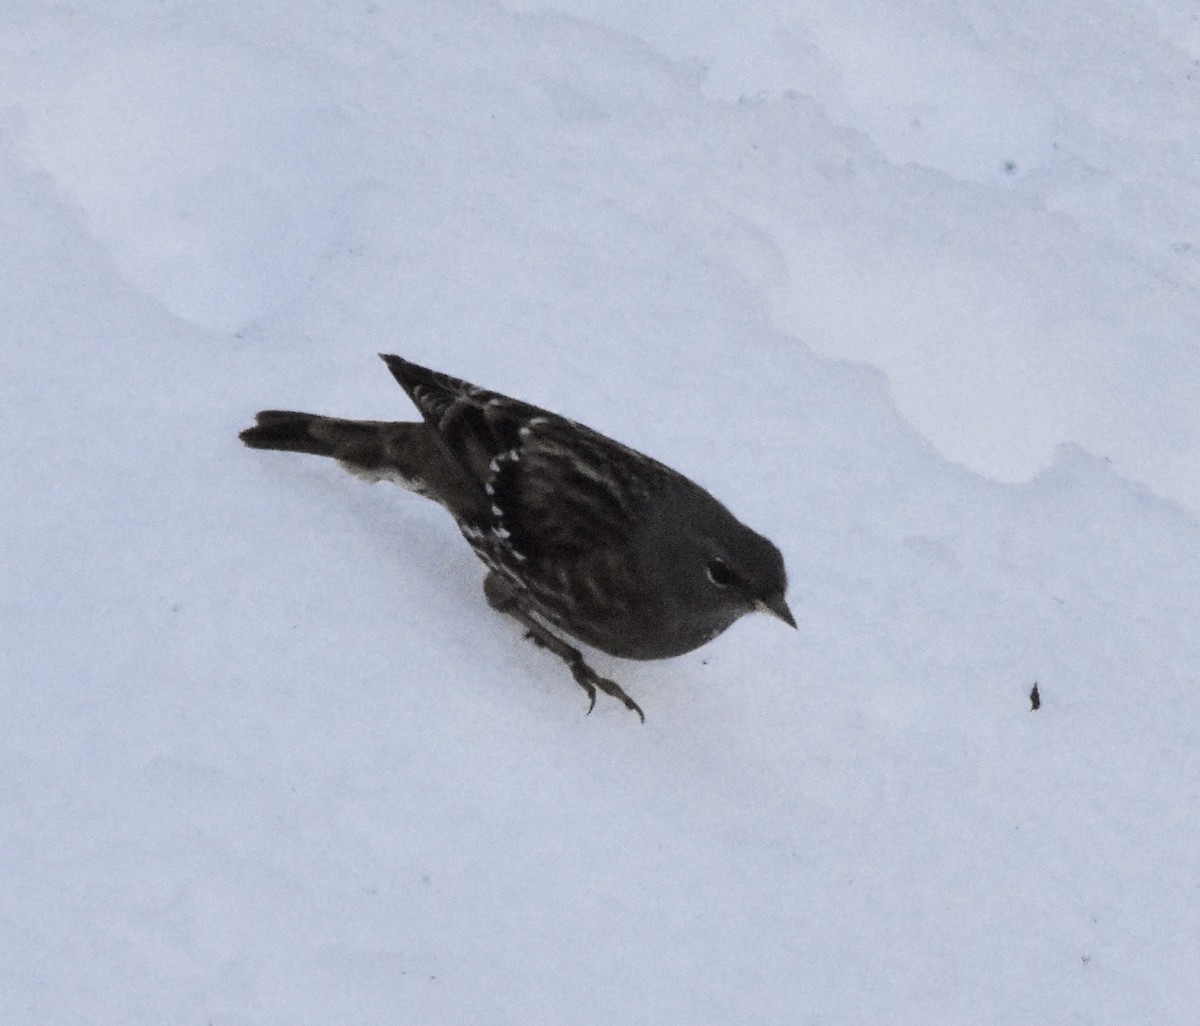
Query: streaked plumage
x: 578, y: 531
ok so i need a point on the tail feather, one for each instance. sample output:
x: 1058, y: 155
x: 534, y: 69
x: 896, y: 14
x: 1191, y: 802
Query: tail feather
x: 288, y: 431
x: 363, y: 445
x: 406, y: 453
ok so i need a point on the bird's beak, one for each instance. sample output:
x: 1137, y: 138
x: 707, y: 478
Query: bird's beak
x: 775, y: 605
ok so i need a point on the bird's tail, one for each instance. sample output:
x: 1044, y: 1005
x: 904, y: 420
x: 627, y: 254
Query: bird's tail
x: 370, y: 448
x: 307, y: 432
x: 375, y: 450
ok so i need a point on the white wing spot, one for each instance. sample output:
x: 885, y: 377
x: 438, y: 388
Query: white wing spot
x: 530, y: 424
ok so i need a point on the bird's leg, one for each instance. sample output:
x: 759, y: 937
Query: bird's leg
x: 501, y: 596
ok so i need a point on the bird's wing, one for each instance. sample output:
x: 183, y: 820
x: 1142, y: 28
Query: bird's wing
x: 556, y: 490
x: 475, y: 426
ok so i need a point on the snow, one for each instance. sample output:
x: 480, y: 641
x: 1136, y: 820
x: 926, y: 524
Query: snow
x: 268, y: 757
x: 1086, y: 111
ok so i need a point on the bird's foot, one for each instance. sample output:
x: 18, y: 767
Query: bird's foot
x: 504, y: 600
x: 590, y: 680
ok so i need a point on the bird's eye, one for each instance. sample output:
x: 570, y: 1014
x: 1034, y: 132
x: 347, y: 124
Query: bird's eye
x: 719, y: 573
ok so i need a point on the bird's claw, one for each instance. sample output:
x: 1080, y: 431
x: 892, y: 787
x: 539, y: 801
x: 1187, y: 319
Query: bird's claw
x: 543, y: 637
x: 590, y: 680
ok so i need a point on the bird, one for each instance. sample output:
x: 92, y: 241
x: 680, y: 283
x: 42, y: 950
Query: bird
x: 581, y: 535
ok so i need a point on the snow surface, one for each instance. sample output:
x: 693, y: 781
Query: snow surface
x: 267, y: 755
